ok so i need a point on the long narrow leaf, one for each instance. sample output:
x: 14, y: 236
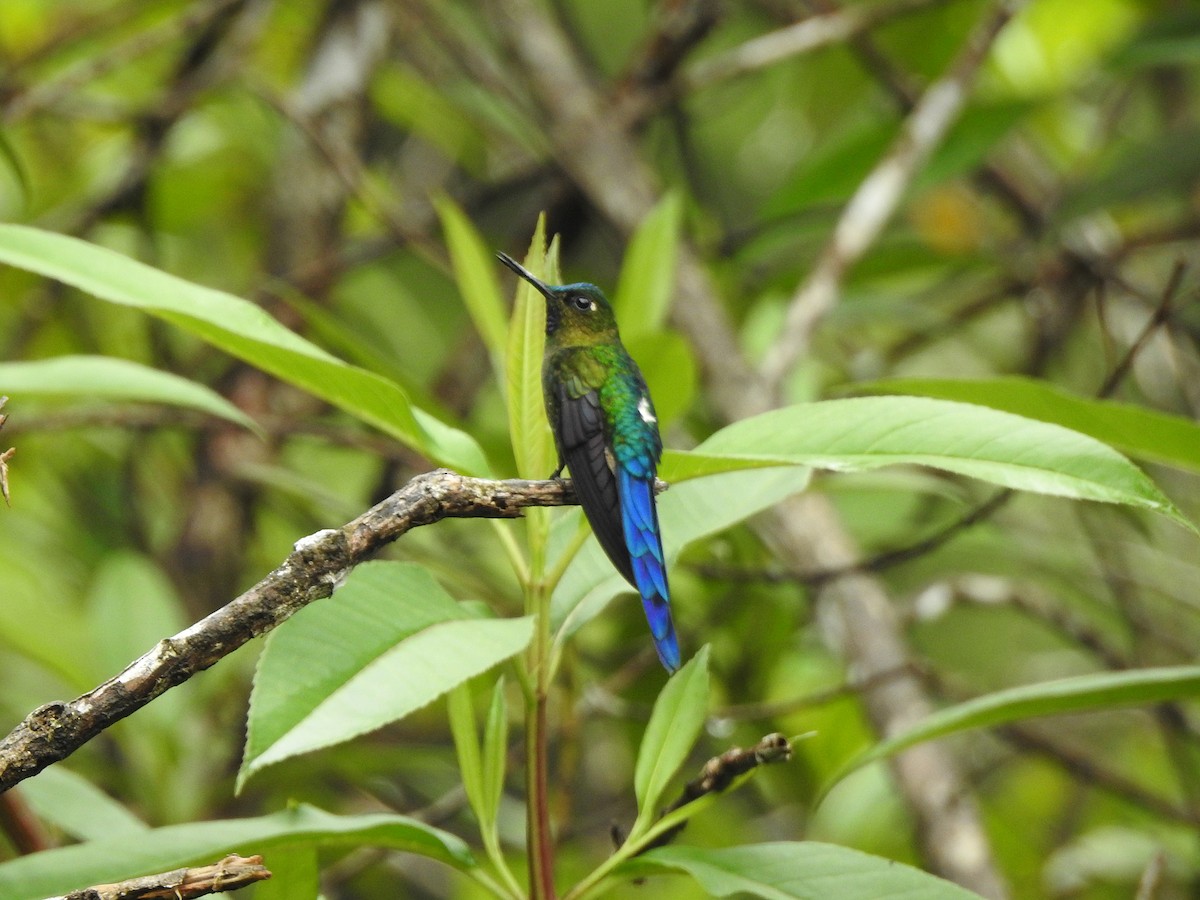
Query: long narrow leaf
x: 495, y: 753
x: 466, y: 744
x: 1140, y: 432
x: 1005, y: 449
x: 58, y: 871
x: 532, y: 444
x: 475, y: 274
x: 69, y: 801
x: 389, y: 642
x: 1082, y: 693
x: 674, y: 725
x: 643, y: 294
x: 114, y: 379
x: 243, y: 330
x: 797, y: 871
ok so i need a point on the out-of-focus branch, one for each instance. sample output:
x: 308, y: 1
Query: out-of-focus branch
x: 229, y: 874
x: 877, y: 197
x: 210, y: 48
x: 96, y: 65
x: 680, y: 25
x: 1029, y: 738
x: 314, y: 569
x: 652, y: 84
x: 1162, y: 315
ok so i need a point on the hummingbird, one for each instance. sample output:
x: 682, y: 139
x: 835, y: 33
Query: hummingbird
x: 606, y: 434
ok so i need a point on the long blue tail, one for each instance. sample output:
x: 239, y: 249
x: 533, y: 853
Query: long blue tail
x: 639, y: 517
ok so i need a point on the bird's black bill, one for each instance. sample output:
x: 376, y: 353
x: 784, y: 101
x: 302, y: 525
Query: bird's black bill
x: 526, y: 274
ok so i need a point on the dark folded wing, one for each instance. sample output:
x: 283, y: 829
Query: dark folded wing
x: 584, y: 448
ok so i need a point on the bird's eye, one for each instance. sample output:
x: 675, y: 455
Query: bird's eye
x: 582, y: 303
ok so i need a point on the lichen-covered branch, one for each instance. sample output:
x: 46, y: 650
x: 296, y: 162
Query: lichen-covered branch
x: 312, y: 571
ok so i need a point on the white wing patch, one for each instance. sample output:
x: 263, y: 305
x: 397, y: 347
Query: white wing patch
x: 645, y: 411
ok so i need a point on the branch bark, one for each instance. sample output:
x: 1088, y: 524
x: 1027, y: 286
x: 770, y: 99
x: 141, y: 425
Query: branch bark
x: 318, y: 564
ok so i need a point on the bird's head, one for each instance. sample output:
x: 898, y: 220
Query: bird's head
x: 577, y: 315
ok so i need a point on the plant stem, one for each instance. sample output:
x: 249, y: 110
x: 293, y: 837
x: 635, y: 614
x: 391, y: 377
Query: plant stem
x: 509, y: 885
x: 539, y: 834
x: 512, y: 550
x: 482, y: 878
x: 633, y: 846
x: 541, y: 840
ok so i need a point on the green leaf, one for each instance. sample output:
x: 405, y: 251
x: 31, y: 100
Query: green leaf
x: 404, y: 97
x: 674, y: 725
x: 295, y: 875
x: 1065, y: 695
x: 114, y: 379
x: 131, y: 604
x: 117, y: 858
x: 475, y: 274
x: 533, y: 445
x: 242, y: 330
x: 687, y: 512
x: 20, y: 176
x: 643, y: 295
x: 1144, y: 433
x: 796, y: 871
x: 495, y: 752
x: 685, y: 465
x: 1005, y: 449
x: 68, y: 801
x: 466, y: 745
x: 387, y: 643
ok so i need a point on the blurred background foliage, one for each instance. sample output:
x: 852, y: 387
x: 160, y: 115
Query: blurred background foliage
x: 291, y: 152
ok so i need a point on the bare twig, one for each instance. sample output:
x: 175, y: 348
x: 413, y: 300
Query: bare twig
x: 877, y: 196
x: 717, y: 775
x: 229, y: 874
x: 312, y: 571
x: 1162, y: 313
